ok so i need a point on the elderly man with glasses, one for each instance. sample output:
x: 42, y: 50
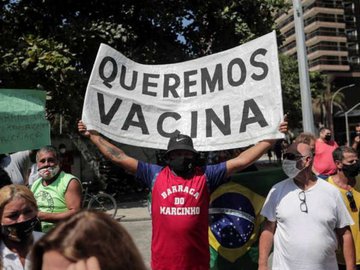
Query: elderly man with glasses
x: 347, y: 163
x: 305, y: 219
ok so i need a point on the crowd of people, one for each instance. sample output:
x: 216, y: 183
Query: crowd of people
x: 311, y: 218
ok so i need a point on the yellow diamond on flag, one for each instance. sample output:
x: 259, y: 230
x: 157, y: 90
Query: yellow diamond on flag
x: 234, y: 220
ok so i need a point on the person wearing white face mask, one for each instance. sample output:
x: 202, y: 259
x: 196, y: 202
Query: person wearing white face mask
x: 58, y: 194
x: 305, y: 219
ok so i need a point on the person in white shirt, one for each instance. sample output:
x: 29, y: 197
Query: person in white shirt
x: 18, y: 165
x: 306, y: 219
x: 18, y: 219
x: 34, y: 174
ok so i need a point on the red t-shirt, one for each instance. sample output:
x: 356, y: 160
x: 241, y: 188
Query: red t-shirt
x: 179, y: 212
x: 323, y: 160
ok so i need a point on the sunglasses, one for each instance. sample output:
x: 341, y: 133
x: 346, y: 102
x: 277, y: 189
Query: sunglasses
x: 303, y: 205
x: 291, y: 156
x: 351, y: 200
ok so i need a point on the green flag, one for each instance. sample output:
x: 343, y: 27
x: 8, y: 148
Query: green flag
x: 22, y: 120
x: 234, y: 219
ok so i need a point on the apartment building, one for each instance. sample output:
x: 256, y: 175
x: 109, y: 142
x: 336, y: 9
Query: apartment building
x: 332, y: 34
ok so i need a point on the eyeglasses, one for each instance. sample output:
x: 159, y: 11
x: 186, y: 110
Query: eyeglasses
x: 303, y: 205
x: 351, y: 200
x: 291, y: 156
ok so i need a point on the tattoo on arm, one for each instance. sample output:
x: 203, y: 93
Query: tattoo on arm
x: 112, y: 151
x: 115, y: 153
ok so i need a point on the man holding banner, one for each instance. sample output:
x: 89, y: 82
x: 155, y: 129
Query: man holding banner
x: 180, y: 196
x: 227, y: 100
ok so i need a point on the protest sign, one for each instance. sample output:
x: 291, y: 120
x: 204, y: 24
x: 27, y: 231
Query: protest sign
x: 22, y: 120
x: 226, y: 100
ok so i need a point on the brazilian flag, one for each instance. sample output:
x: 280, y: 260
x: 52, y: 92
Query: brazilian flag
x: 235, y: 221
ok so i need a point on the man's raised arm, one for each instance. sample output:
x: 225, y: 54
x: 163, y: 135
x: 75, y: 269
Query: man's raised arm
x: 252, y: 154
x: 110, y: 151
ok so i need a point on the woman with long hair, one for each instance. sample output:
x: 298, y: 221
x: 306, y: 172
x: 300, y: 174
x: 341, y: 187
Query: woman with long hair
x: 18, y: 212
x: 87, y: 235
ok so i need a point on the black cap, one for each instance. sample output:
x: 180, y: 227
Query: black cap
x: 180, y: 142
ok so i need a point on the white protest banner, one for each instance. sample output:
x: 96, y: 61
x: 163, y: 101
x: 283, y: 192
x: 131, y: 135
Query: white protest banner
x: 226, y: 100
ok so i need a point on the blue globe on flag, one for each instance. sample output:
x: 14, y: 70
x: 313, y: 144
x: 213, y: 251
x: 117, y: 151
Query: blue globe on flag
x: 232, y: 219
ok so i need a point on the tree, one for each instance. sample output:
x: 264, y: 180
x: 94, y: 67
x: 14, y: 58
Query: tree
x: 51, y: 45
x: 322, y: 103
x: 291, y: 93
x: 214, y: 26
x: 290, y: 87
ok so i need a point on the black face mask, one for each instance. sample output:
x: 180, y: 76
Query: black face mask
x: 21, y: 231
x: 357, y: 133
x: 351, y: 171
x: 182, y: 165
x: 327, y: 138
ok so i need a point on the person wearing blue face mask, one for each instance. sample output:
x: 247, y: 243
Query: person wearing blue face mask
x: 347, y: 163
x: 305, y: 219
x: 18, y: 210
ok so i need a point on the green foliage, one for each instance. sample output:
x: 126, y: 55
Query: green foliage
x: 52, y: 45
x: 218, y: 25
x: 324, y: 99
x: 42, y: 63
x: 291, y: 91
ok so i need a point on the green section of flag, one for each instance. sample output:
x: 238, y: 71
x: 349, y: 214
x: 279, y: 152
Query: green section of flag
x: 22, y: 120
x: 259, y: 182
x: 246, y: 262
x: 233, y: 209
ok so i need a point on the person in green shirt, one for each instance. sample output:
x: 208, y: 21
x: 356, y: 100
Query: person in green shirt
x: 58, y: 194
